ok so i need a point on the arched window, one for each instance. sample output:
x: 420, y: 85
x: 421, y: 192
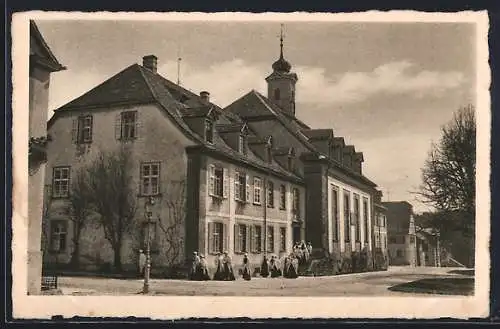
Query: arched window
x: 277, y: 94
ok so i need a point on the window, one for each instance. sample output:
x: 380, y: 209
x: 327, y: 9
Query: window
x: 209, y: 131
x: 392, y: 239
x: 216, y: 181
x: 58, y: 235
x: 277, y: 94
x: 282, y: 239
x: 282, y: 197
x: 412, y: 239
x: 150, y: 178
x: 257, y: 238
x: 269, y: 156
x: 290, y: 163
x: 60, y: 182
x: 296, y: 200
x: 399, y: 253
x: 270, y: 238
x: 240, y: 234
x: 347, y: 215
x: 242, y: 144
x: 365, y: 220
x: 240, y: 187
x: 270, y: 194
x: 377, y: 241
x: 335, y: 213
x: 128, y: 125
x: 357, y: 219
x: 84, y: 129
x: 257, y: 189
x: 216, y: 237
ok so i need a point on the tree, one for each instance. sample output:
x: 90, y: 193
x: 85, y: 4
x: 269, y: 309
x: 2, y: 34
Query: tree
x: 79, y: 209
x: 449, y: 173
x: 175, y: 202
x: 114, y: 198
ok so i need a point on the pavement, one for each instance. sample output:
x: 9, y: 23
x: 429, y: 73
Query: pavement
x: 357, y: 284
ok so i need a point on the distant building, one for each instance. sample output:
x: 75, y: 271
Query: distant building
x: 380, y: 227
x: 42, y: 63
x: 257, y: 178
x: 401, y: 233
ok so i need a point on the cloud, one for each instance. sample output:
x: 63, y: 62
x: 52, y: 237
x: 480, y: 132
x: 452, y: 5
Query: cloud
x: 229, y: 80
x: 391, y: 78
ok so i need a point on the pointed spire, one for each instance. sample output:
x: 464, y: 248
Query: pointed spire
x: 281, y: 65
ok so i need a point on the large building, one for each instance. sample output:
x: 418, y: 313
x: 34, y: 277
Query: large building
x: 42, y: 63
x: 401, y: 231
x: 252, y: 178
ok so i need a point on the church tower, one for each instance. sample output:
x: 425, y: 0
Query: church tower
x: 281, y: 83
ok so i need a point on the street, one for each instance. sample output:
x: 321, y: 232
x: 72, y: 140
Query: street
x: 359, y: 284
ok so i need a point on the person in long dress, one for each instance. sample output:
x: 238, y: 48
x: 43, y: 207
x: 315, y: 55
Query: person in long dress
x: 142, y: 263
x: 275, y: 267
x: 203, y: 270
x: 291, y: 267
x: 228, y: 268
x: 219, y: 268
x: 194, y: 266
x: 264, y: 268
x: 247, y: 275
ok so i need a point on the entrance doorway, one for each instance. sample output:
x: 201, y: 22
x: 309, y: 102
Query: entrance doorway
x: 296, y: 234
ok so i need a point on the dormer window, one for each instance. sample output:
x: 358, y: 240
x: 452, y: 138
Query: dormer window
x: 290, y: 163
x: 277, y: 94
x: 268, y: 154
x: 242, y: 144
x: 209, y: 131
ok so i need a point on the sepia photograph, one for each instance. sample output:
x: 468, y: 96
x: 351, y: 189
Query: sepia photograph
x: 216, y: 159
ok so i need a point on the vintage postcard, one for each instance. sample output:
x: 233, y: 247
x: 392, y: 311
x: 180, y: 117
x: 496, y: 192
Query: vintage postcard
x: 251, y: 165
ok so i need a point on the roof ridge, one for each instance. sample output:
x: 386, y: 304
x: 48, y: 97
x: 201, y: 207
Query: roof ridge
x: 151, y: 90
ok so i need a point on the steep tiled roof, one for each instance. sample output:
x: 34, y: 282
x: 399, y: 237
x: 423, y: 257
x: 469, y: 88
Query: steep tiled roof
x: 138, y: 85
x: 254, y: 105
x: 40, y: 50
x: 127, y: 86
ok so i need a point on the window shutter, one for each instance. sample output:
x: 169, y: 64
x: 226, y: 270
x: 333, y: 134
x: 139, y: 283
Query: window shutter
x: 225, y: 235
x: 74, y: 131
x: 248, y: 238
x: 118, y: 126
x: 91, y: 132
x: 248, y: 189
x: 210, y: 239
x: 236, y: 240
x: 138, y: 125
x: 225, y: 183
x: 252, y: 238
x: 262, y: 238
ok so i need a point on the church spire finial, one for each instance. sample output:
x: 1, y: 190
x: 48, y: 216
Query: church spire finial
x: 281, y: 41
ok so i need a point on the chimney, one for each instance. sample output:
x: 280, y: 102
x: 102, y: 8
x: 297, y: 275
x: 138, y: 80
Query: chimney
x: 150, y: 62
x: 205, y: 97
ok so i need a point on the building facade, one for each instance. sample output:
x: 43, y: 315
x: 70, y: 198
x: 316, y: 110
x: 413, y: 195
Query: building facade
x: 42, y: 63
x: 401, y: 233
x: 380, y: 232
x: 250, y: 178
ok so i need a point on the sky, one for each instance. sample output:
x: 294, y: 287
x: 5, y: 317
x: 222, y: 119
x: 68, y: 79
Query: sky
x: 387, y: 88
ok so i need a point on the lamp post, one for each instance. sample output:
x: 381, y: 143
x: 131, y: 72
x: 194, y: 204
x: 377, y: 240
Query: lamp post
x: 148, y: 213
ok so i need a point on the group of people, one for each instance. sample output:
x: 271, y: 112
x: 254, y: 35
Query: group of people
x: 287, y: 266
x: 199, y: 268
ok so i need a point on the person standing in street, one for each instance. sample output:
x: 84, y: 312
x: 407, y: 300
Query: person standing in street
x: 194, y: 266
x: 142, y: 263
x: 247, y: 275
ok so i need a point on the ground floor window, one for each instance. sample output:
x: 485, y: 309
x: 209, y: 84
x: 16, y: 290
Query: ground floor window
x: 270, y: 238
x: 58, y: 235
x: 240, y: 238
x: 216, y: 237
x: 282, y: 239
x: 257, y: 239
x: 399, y: 253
